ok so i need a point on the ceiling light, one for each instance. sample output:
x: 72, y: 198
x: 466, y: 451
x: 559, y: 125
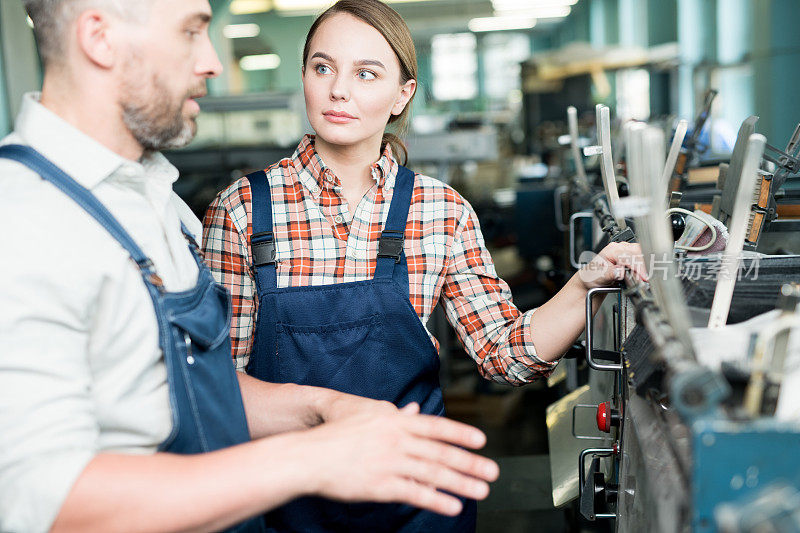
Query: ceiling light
x: 246, y: 7
x: 302, y: 5
x: 241, y: 31
x: 500, y: 23
x: 534, y: 12
x: 318, y: 5
x: 531, y: 4
x: 260, y: 62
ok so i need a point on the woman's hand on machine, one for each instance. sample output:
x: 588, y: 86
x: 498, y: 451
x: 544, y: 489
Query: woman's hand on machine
x: 610, y: 265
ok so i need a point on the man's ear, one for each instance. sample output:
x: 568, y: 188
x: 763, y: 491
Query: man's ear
x: 406, y: 92
x: 94, y: 34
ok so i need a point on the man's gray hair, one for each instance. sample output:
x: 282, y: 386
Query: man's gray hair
x: 51, y: 18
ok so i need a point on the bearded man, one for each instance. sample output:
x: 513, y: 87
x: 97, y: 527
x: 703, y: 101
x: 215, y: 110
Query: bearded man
x: 120, y: 408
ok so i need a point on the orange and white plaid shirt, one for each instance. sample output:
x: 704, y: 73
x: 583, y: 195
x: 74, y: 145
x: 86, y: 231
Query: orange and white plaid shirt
x: 318, y: 244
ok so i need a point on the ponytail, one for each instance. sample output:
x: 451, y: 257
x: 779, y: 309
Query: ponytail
x: 399, y: 149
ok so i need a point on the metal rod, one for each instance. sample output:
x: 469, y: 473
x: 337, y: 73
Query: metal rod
x: 572, y: 123
x: 607, y: 162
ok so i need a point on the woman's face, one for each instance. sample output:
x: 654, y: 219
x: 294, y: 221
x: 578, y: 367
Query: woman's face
x: 351, y: 82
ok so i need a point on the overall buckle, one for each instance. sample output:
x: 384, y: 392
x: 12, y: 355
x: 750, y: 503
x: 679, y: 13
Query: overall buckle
x: 263, y: 246
x: 390, y: 245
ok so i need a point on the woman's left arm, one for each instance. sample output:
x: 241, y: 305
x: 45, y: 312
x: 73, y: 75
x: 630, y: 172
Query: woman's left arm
x: 560, y: 320
x: 509, y: 346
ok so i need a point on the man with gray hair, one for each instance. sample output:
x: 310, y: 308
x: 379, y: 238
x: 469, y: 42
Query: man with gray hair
x: 120, y: 408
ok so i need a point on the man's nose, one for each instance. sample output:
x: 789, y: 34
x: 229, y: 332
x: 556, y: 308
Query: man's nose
x: 208, y: 63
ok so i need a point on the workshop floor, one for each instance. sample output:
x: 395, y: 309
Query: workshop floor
x: 514, y: 422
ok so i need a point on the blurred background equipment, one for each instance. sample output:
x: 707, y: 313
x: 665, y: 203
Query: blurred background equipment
x: 554, y: 118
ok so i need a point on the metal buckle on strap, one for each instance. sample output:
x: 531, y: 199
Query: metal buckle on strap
x: 147, y: 268
x: 145, y: 264
x: 263, y: 246
x: 390, y: 245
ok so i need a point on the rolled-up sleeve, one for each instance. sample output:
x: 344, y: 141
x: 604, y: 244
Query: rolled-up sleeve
x: 48, y: 429
x: 480, y: 308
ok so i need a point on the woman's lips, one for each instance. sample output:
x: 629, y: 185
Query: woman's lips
x: 338, y: 117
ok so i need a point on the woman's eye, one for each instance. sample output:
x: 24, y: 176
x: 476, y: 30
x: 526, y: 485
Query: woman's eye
x: 323, y: 69
x: 366, y: 75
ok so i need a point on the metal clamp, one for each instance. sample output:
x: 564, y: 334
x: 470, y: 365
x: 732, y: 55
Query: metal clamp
x: 590, y: 327
x: 572, y: 219
x: 598, y: 452
x: 558, y: 206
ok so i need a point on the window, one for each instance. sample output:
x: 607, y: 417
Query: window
x: 455, y: 65
x: 502, y: 53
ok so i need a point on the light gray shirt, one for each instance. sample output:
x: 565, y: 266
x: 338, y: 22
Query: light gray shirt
x: 81, y: 371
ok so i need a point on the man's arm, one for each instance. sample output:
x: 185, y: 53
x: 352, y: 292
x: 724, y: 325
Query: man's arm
x: 396, y: 457
x: 278, y: 407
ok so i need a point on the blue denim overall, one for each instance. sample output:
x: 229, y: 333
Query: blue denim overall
x: 363, y: 338
x: 194, y: 334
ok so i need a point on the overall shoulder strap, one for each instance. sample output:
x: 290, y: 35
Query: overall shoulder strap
x: 390, y: 245
x: 262, y: 240
x: 88, y: 201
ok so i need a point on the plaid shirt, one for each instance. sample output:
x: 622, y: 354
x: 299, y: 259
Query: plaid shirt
x: 318, y: 244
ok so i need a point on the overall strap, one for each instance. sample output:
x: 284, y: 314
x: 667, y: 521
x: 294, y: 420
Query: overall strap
x: 194, y: 248
x: 88, y: 201
x: 390, y: 245
x: 262, y: 240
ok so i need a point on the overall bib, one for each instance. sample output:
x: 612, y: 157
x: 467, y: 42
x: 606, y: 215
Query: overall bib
x: 362, y: 338
x: 194, y: 335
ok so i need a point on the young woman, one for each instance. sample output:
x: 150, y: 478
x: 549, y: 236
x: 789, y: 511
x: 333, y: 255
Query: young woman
x: 336, y: 257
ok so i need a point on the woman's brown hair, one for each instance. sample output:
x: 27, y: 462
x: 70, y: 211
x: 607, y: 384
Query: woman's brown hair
x: 391, y: 25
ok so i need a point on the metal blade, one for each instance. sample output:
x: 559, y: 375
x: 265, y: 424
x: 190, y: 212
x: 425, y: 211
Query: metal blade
x: 674, y: 150
x: 735, y: 169
x: 738, y: 226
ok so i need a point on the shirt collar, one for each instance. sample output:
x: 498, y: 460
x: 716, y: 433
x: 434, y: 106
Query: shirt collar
x: 314, y: 175
x: 84, y: 159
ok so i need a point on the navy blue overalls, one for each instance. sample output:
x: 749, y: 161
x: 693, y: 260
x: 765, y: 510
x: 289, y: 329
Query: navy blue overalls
x: 194, y: 334
x: 363, y: 338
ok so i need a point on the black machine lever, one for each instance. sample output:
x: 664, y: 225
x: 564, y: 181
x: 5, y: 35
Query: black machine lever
x: 589, y: 493
x: 595, y: 492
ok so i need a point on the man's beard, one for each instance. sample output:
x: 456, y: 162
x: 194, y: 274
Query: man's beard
x: 157, y: 123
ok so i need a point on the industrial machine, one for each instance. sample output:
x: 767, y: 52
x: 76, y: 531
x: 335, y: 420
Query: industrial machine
x: 694, y: 374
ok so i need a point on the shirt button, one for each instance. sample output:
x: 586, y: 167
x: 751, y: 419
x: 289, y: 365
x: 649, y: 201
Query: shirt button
x: 339, y: 219
x: 315, y: 190
x: 329, y: 178
x: 190, y: 359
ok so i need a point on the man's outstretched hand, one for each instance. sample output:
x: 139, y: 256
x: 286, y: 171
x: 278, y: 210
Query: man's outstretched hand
x: 400, y: 456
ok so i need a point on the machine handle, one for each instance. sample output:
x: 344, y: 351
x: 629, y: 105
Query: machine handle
x: 590, y: 329
x: 589, y: 488
x: 572, y: 219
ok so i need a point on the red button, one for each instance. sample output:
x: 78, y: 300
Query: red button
x: 604, y: 417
